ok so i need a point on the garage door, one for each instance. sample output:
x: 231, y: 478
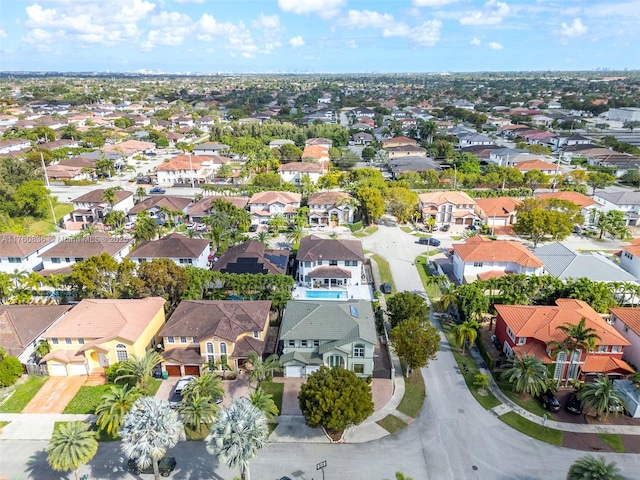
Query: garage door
x: 293, y: 372
x: 77, y: 369
x: 57, y: 370
x: 174, y: 370
x: 310, y: 369
x: 192, y: 370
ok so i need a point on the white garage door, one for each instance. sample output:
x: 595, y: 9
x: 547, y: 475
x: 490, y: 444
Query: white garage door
x: 57, y: 370
x: 78, y: 369
x: 312, y: 368
x: 293, y: 372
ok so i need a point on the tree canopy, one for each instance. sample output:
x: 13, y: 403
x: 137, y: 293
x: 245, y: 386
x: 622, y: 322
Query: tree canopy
x: 405, y: 306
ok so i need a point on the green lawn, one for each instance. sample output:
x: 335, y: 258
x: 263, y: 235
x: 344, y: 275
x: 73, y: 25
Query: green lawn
x: 153, y: 385
x: 87, y: 399
x: 613, y: 440
x: 367, y: 231
x: 2, y: 424
x: 383, y: 268
x: 545, y: 434
x: 46, y: 226
x: 275, y: 389
x: 530, y: 404
x: 391, y: 423
x: 406, y: 229
x: 23, y: 394
x: 432, y: 290
x: 413, y: 398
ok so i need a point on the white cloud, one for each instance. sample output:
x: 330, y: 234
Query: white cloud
x: 495, y: 46
x: 475, y: 41
x: 296, y: 41
x: 366, y: 19
x: 323, y: 8
x: 271, y: 22
x: 432, y: 3
x: 492, y: 13
x: 189, y: 1
x: 427, y: 34
x: 3, y: 34
x: 170, y: 19
x: 576, y: 29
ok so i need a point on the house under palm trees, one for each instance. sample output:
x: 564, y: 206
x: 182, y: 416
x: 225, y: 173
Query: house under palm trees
x: 253, y: 257
x: 539, y: 330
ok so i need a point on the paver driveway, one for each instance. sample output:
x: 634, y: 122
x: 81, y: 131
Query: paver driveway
x: 55, y: 394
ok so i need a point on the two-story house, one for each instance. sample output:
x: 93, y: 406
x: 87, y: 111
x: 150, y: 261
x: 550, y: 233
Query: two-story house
x: 293, y: 172
x: 327, y: 263
x: 497, y: 211
x: 253, y: 257
x: 188, y: 169
x: 406, y: 151
x: 330, y: 208
x: 210, y: 148
x: 22, y: 252
x: 263, y: 206
x: 528, y: 330
x: 92, y: 207
x: 630, y: 258
x: 399, y: 142
x: 448, y: 207
x: 98, y: 333
x: 181, y: 250
x: 480, y: 258
x: 206, y: 206
x: 203, y: 331
x: 626, y: 321
x: 335, y: 334
x: 625, y: 201
x: 589, y: 208
x: 161, y: 208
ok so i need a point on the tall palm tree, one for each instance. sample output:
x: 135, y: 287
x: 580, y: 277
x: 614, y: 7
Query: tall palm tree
x: 264, y: 401
x: 591, y: 468
x: 146, y: 227
x: 206, y: 385
x: 139, y: 368
x: 71, y: 446
x: 449, y: 297
x: 600, y: 396
x: 277, y: 223
x: 148, y: 430
x: 41, y: 349
x: 466, y: 332
x: 263, y: 237
x: 295, y: 235
x: 578, y: 338
x: 238, y: 434
x: 527, y: 375
x: 260, y: 369
x: 198, y: 411
x: 114, y: 405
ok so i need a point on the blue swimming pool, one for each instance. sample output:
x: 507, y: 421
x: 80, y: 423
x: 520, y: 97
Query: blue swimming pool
x: 326, y: 294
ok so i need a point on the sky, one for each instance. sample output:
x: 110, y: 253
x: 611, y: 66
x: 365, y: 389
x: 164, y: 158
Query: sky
x: 318, y: 36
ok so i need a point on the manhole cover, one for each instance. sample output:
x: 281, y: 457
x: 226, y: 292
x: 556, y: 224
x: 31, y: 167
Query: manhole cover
x: 460, y: 410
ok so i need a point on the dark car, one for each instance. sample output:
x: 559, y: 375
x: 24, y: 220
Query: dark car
x: 144, y: 181
x: 253, y: 228
x: 473, y: 228
x: 157, y: 190
x: 445, y: 228
x: 434, y: 242
x: 496, y: 343
x: 166, y: 466
x: 549, y: 401
x: 386, y: 288
x: 575, y: 404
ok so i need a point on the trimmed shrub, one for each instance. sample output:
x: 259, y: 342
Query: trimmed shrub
x: 10, y: 371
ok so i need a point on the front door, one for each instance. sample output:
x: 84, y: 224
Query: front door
x: 103, y: 360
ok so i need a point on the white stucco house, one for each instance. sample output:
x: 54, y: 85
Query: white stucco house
x: 22, y: 252
x: 627, y: 322
x: 265, y: 205
x: 293, y: 172
x: 329, y: 263
x: 183, y: 251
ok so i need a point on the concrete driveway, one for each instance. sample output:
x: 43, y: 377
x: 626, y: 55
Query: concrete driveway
x: 55, y: 394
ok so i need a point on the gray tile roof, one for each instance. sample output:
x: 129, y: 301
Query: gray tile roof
x: 620, y: 198
x: 306, y: 358
x: 328, y: 320
x: 173, y: 245
x: 314, y: 248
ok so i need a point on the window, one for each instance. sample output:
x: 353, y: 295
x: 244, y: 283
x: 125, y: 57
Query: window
x: 54, y: 341
x: 358, y: 350
x: 67, y: 341
x: 336, y: 361
x: 477, y: 264
x: 358, y: 368
x: 350, y: 263
x: 307, y: 264
x: 512, y: 335
x: 15, y: 260
x: 602, y: 349
x: 67, y: 260
x: 522, y: 340
x: 626, y: 329
x: 292, y: 343
x: 55, y: 260
x: 170, y: 340
x: 333, y: 262
x: 256, y: 334
x: 210, y: 352
x: 78, y: 259
x: 319, y: 262
x: 223, y: 348
x: 121, y: 353
x: 303, y: 343
x: 81, y: 341
x: 183, y: 339
x: 186, y: 260
x: 316, y: 343
x: 616, y: 349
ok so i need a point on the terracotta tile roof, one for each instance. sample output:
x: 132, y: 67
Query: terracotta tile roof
x: 246, y: 345
x: 634, y: 248
x: 499, y: 206
x: 105, y: 319
x: 630, y: 317
x: 329, y: 272
x: 89, y: 246
x: 13, y: 245
x: 492, y: 274
x: 313, y: 248
x: 171, y: 202
x: 95, y: 196
x: 202, y: 206
x: 574, y: 197
x: 188, y: 355
x: 227, y: 319
x: 315, y: 151
x: 534, y: 165
x: 595, y: 363
x: 270, y: 197
x: 65, y: 356
x: 130, y: 146
x: 496, y: 251
x: 533, y: 348
x: 542, y: 322
x: 327, y: 198
x: 173, y: 245
x: 190, y: 162
x: 20, y: 325
x: 301, y: 167
x: 394, y: 140
x: 449, y: 196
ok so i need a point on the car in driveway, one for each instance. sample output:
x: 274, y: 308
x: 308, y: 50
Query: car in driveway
x: 445, y: 228
x: 176, y: 396
x: 157, y: 190
x: 549, y: 401
x: 434, y: 242
x: 166, y: 465
x: 386, y: 288
x: 574, y: 405
x: 253, y: 228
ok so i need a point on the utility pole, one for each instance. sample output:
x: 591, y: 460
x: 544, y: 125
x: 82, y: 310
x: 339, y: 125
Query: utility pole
x: 46, y: 182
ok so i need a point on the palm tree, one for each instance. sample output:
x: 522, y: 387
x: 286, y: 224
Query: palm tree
x: 41, y: 349
x: 148, y: 430
x: 295, y: 235
x: 139, y: 368
x: 146, y: 227
x: 635, y: 379
x: 591, y: 468
x: 277, y: 223
x: 260, y: 369
x: 114, y: 405
x: 264, y: 401
x: 6, y: 287
x: 198, y: 411
x: 238, y: 434
x: 71, y: 446
x: 449, y: 297
x: 527, y: 375
x: 601, y: 396
x: 206, y: 385
x: 578, y: 338
x: 466, y: 332
x: 263, y: 237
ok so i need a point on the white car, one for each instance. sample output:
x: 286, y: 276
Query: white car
x: 176, y: 396
x: 129, y: 225
x: 201, y: 227
x: 190, y: 226
x: 322, y: 226
x: 313, y: 226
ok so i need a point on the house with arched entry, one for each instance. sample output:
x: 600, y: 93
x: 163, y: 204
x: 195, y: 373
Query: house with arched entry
x: 448, y: 208
x: 98, y: 333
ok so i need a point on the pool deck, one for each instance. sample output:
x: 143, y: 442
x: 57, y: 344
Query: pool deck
x: 361, y: 292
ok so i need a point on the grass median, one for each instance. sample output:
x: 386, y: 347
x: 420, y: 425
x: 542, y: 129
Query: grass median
x: 539, y: 432
x: 414, y: 394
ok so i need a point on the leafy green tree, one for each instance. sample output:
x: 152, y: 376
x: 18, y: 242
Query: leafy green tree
x: 139, y: 368
x: 114, y: 219
x: 41, y: 349
x: 407, y: 305
x: 32, y: 199
x: 277, y: 223
x: 238, y: 435
x: 481, y: 381
x: 415, y: 342
x: 335, y: 398
x: 206, y: 385
x: 102, y: 276
x: 161, y: 277
x: 599, y: 180
x: 526, y: 374
x: 631, y: 124
x: 534, y: 179
x: 10, y: 369
x: 261, y: 369
x: 401, y: 203
x: 148, y: 430
x: 466, y: 332
x: 146, y: 227
x: 71, y: 446
x: 601, y: 396
x: 591, y: 468
x: 267, y: 180
x: 371, y: 203
x: 577, y: 338
x: 290, y: 153
x: 264, y: 401
x: 114, y: 404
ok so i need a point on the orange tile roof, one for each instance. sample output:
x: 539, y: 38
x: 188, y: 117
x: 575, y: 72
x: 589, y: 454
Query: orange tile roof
x: 534, y: 348
x: 450, y: 196
x: 498, y: 206
x: 315, y: 151
x: 542, y: 322
x: 574, y: 197
x: 595, y: 363
x: 492, y: 274
x: 630, y: 317
x: 634, y: 248
x: 535, y: 165
x: 496, y: 251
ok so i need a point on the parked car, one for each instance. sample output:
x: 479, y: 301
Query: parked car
x: 591, y: 230
x: 473, y: 228
x: 386, y: 288
x: 157, y: 190
x: 577, y: 230
x: 549, y: 401
x: 165, y: 466
x: 176, y: 396
x: 434, y: 242
x: 191, y: 225
x: 253, y: 228
x: 575, y: 405
x: 201, y: 227
x: 144, y: 181
x: 129, y: 225
x: 322, y: 226
x: 496, y: 343
x: 445, y: 228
